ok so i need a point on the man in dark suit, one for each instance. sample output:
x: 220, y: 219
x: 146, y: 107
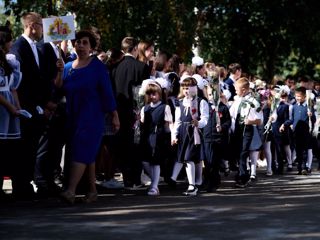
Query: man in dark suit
x: 52, y: 140
x: 234, y: 74
x: 127, y: 75
x: 34, y: 93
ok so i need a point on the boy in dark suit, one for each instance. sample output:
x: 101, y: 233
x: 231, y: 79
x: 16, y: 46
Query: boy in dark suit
x: 299, y: 122
x: 235, y: 73
x: 245, y: 113
x: 128, y: 74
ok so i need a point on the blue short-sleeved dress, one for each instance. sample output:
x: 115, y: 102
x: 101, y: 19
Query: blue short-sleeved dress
x: 88, y: 97
x: 9, y: 124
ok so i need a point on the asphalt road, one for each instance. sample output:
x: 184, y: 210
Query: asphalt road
x: 277, y: 207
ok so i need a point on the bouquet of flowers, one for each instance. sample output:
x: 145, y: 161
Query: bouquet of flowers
x: 194, y: 114
x: 317, y: 125
x: 216, y: 100
x: 274, y: 105
x: 138, y: 104
x: 309, y: 98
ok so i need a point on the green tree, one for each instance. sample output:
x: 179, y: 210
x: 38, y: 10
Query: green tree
x: 267, y: 37
x: 264, y: 36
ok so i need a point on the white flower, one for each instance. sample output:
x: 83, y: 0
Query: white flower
x: 12, y: 60
x: 144, y: 85
x: 200, y: 81
x: 164, y: 83
x: 198, y: 61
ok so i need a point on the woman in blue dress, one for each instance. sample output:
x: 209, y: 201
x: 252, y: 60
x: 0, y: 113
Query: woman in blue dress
x: 89, y: 96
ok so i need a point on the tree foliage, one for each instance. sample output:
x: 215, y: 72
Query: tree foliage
x: 266, y: 36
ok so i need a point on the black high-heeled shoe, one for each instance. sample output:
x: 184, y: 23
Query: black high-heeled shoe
x: 90, y: 197
x: 68, y: 197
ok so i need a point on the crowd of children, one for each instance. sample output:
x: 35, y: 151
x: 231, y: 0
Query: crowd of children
x: 256, y: 120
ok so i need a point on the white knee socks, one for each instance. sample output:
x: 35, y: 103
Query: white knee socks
x: 190, y: 169
x: 288, y: 155
x: 309, y: 159
x: 147, y: 168
x: 176, y: 170
x: 254, y: 157
x: 267, y: 153
x: 155, y: 176
x: 198, y: 173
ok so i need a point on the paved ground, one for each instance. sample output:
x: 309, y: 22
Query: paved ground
x: 277, y: 207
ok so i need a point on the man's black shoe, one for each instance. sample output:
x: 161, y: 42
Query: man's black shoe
x: 171, y: 183
x: 241, y: 184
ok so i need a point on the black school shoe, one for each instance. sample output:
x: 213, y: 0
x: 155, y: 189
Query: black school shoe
x: 192, y: 192
x: 241, y: 184
x: 171, y: 183
x: 253, y: 179
x: 212, y: 188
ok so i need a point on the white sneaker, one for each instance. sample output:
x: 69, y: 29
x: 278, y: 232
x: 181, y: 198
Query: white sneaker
x: 269, y: 173
x: 112, y: 184
x: 145, y: 180
x: 261, y: 163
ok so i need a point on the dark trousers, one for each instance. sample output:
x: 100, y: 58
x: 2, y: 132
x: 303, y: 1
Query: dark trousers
x: 31, y: 130
x: 280, y: 152
x: 128, y: 156
x: 213, y: 160
x: 49, y: 151
x: 303, y: 142
x: 243, y: 138
x: 105, y: 163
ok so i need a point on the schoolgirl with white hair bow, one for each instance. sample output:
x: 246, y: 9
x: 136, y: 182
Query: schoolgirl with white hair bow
x: 191, y: 114
x: 155, y: 120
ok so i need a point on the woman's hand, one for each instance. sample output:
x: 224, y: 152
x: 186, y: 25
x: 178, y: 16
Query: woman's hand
x: 282, y: 128
x: 174, y: 142
x: 60, y: 65
x: 115, y: 121
x: 13, y: 110
x: 247, y: 122
x: 195, y: 122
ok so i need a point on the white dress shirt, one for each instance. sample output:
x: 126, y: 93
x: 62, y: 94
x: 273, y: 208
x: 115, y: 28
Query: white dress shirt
x: 33, y: 47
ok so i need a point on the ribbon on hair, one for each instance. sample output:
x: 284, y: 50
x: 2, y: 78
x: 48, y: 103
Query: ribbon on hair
x: 194, y: 115
x: 193, y: 90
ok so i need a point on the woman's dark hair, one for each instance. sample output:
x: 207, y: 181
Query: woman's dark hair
x: 281, y: 83
x: 5, y: 37
x: 174, y: 64
x: 188, y: 82
x: 88, y: 34
x: 174, y: 79
x: 114, y: 55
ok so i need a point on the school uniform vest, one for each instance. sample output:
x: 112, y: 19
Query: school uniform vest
x: 154, y: 118
x: 282, y: 113
x: 187, y: 150
x: 300, y: 115
x: 153, y: 134
x: 282, y: 117
x: 186, y: 117
x: 210, y: 133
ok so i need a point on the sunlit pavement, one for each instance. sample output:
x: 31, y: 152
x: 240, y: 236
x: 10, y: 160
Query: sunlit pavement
x: 277, y: 207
